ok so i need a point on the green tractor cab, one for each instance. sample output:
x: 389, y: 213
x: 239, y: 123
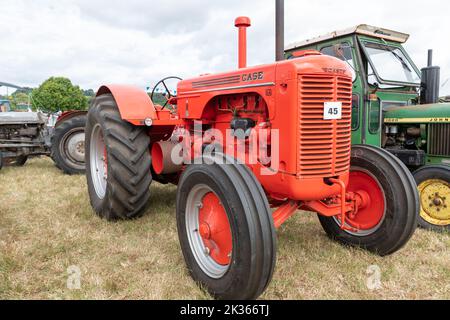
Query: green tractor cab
x: 396, y: 106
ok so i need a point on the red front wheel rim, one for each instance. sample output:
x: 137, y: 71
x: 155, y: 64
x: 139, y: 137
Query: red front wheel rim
x: 371, y: 212
x: 215, y: 230
x: 209, y: 231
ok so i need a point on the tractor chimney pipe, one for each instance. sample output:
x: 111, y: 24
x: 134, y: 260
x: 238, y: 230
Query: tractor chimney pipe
x: 242, y: 23
x: 430, y: 57
x: 279, y: 30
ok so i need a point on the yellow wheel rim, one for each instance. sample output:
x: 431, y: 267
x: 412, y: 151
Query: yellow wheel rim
x: 435, y: 201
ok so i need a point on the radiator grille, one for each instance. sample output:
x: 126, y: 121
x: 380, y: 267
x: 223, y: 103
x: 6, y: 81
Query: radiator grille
x: 439, y: 139
x: 324, y: 145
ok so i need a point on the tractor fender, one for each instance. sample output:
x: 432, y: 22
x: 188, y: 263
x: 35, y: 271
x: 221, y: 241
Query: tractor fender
x: 66, y: 115
x: 134, y: 104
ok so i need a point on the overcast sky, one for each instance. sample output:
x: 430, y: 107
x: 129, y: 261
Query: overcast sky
x: 93, y: 42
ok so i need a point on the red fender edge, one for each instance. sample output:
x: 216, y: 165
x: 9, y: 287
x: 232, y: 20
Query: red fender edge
x: 66, y: 115
x: 134, y: 104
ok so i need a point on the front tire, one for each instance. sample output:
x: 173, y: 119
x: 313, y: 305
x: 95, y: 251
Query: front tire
x: 433, y: 183
x: 226, y: 230
x: 68, y: 146
x: 390, y: 219
x: 118, y: 162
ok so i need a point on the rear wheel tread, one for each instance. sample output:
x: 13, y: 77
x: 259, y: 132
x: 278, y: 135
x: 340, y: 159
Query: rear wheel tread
x: 128, y: 161
x: 61, y: 161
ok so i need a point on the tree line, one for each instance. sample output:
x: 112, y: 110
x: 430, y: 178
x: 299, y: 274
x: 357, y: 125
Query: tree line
x: 59, y: 94
x: 53, y: 95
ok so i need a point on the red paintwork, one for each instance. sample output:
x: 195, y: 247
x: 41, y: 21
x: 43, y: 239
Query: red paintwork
x: 134, y: 104
x: 105, y: 162
x: 66, y: 115
x: 303, y: 53
x: 281, y: 102
x: 372, y: 203
x: 242, y: 23
x: 157, y: 158
x: 284, y: 212
x: 215, y: 230
x: 287, y: 96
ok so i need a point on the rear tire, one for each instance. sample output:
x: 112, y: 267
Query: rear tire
x: 398, y: 218
x: 68, y: 145
x: 241, y: 262
x: 118, y: 162
x: 435, y: 208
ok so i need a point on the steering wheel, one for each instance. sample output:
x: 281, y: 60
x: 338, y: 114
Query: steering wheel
x: 169, y: 95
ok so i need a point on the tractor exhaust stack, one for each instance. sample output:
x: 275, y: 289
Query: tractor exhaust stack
x: 430, y: 57
x: 430, y: 84
x: 242, y: 23
x: 279, y: 30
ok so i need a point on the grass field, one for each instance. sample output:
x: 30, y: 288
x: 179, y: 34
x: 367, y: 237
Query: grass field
x: 47, y: 228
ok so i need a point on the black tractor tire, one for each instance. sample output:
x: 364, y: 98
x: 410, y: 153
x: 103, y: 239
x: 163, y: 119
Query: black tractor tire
x: 20, y: 161
x: 69, y: 161
x: 441, y: 175
x: 253, y: 255
x: 401, y: 204
x: 128, y: 175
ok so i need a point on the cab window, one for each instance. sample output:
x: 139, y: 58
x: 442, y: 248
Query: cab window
x: 342, y: 51
x: 355, y: 112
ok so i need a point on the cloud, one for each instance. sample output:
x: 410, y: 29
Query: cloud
x: 138, y: 42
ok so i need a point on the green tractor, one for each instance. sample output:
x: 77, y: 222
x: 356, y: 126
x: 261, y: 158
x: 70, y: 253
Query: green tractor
x: 396, y: 106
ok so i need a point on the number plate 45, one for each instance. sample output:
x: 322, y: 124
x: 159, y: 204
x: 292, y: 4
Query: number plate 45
x: 332, y: 110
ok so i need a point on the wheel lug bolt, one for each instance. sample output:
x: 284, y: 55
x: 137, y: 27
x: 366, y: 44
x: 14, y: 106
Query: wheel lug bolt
x: 199, y: 205
x: 207, y: 251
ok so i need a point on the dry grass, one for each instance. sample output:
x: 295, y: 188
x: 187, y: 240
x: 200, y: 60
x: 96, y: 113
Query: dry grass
x: 46, y: 225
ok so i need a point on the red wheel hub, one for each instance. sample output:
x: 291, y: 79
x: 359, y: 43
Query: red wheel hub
x: 214, y: 228
x: 105, y: 161
x: 370, y: 198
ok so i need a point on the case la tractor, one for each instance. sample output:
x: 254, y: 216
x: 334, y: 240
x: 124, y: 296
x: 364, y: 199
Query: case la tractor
x: 396, y: 107
x: 27, y: 134
x: 228, y: 209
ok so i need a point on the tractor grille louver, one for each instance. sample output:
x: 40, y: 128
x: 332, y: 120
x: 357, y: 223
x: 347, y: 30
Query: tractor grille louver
x: 439, y: 139
x: 324, y: 146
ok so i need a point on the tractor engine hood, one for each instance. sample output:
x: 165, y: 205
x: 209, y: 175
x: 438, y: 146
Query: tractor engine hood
x: 21, y: 118
x: 426, y: 113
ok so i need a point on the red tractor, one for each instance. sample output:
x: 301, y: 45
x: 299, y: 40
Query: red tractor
x: 297, y: 114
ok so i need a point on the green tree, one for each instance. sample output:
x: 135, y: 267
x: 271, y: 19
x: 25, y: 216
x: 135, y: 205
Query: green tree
x: 58, y: 94
x: 89, y: 93
x: 19, y: 98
